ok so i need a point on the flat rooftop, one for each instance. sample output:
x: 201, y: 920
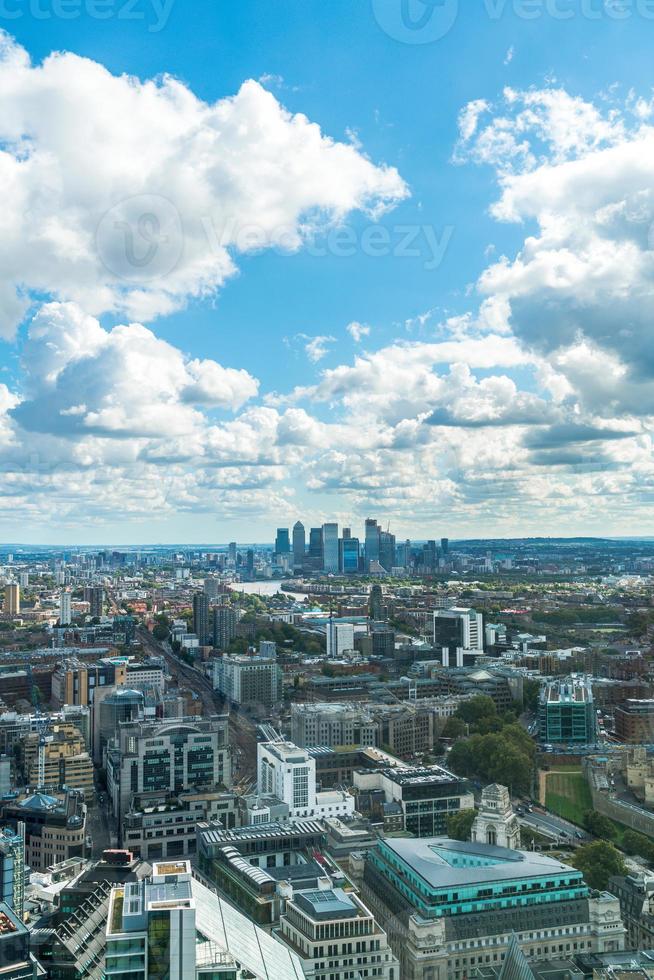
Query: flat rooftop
x: 414, y: 776
x: 326, y: 904
x: 443, y: 863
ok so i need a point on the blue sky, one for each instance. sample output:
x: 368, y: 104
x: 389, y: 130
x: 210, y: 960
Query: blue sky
x: 436, y: 461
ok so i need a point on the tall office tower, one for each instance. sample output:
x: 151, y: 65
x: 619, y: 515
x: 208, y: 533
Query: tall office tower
x: 94, y: 595
x: 201, y: 618
x: 387, y: 550
x: 12, y: 599
x: 249, y: 562
x: 24, y: 579
x: 65, y: 610
x: 371, y: 542
x: 299, y: 545
x: 231, y: 551
x: 445, y: 546
x: 376, y: 603
x: 315, y: 548
x: 459, y: 636
x: 350, y: 556
x: 12, y: 870
x: 282, y: 542
x: 224, y: 626
x: 429, y: 556
x: 403, y: 554
x: 330, y: 547
x: 347, y: 533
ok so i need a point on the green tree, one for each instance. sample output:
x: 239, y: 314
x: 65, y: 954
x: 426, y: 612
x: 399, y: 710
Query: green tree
x: 476, y: 708
x: 460, y: 824
x: 599, y: 825
x: 598, y: 862
x: 635, y: 843
x: 455, y: 728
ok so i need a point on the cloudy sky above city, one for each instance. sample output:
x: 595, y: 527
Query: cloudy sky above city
x: 271, y: 260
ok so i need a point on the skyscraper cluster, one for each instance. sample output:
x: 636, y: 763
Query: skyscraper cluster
x: 323, y: 549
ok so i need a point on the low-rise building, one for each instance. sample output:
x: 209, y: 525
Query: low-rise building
x: 288, y: 773
x: 163, y: 826
x: 427, y: 796
x: 248, y: 680
x: 54, y: 828
x: 566, y: 712
x: 335, y: 935
x: 451, y: 908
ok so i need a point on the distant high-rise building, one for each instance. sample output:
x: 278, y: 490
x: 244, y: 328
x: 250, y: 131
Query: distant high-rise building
x: 387, y: 550
x: 376, y: 603
x: 347, y: 533
x: 65, y: 609
x: 94, y: 595
x: 371, y: 542
x: 316, y: 548
x: 403, y: 554
x: 299, y: 546
x: 201, y: 618
x: 231, y: 552
x: 330, y: 547
x: 249, y: 562
x: 445, y: 546
x: 24, y: 579
x: 340, y: 637
x: 282, y: 542
x: 429, y: 556
x: 12, y: 599
x: 224, y: 626
x: 212, y: 587
x: 350, y: 556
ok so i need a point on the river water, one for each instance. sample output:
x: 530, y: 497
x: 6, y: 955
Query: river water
x: 265, y: 589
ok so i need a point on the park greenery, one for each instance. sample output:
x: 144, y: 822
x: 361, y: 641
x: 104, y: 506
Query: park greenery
x: 598, y: 862
x: 497, y: 749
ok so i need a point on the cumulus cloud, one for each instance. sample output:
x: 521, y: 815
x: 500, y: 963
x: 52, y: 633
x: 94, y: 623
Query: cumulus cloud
x: 122, y: 383
x: 132, y: 196
x: 539, y: 400
x: 580, y: 291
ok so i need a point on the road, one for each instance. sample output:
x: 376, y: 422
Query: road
x: 98, y: 828
x: 553, y: 826
x: 242, y: 731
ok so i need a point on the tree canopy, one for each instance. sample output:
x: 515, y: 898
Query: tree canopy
x: 598, y: 862
x: 460, y: 824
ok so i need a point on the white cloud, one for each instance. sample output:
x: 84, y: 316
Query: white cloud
x: 357, y: 331
x: 130, y: 196
x: 317, y: 347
